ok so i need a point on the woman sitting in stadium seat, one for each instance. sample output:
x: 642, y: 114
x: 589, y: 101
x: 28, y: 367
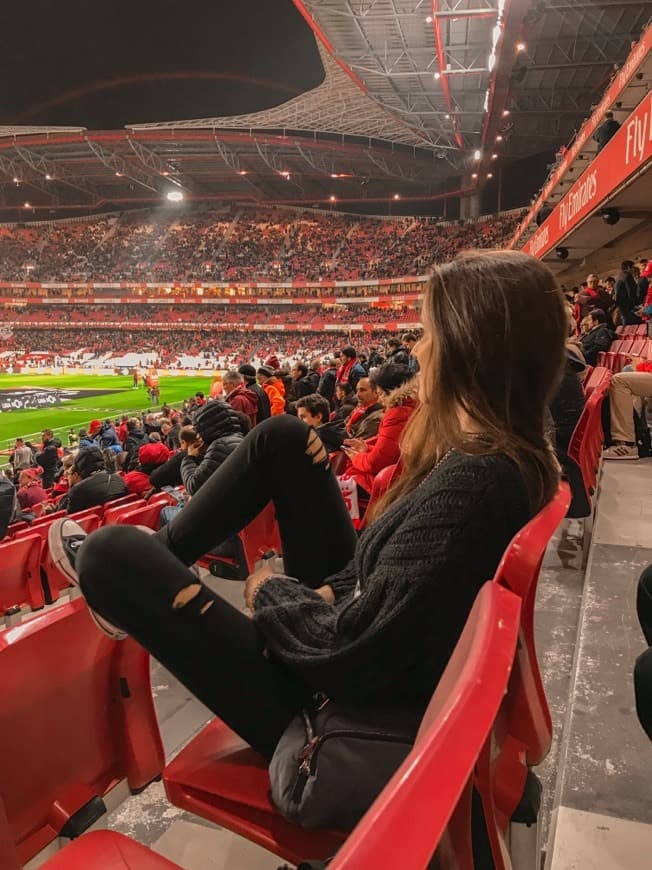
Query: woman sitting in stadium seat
x: 370, y: 622
x: 397, y: 393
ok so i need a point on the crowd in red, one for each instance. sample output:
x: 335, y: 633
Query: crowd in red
x: 234, y: 244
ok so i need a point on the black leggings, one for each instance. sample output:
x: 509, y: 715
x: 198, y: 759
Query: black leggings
x: 643, y: 666
x: 213, y: 648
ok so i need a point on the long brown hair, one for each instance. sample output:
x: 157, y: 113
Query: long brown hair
x: 495, y: 326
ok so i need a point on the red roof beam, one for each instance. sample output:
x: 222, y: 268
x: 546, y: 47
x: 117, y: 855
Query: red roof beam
x: 441, y: 60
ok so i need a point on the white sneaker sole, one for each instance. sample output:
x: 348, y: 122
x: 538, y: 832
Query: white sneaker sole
x: 61, y: 560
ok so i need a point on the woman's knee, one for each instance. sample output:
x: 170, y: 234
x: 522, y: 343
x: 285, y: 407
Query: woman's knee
x: 104, y: 558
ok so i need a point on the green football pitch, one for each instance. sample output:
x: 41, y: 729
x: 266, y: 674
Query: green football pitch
x: 77, y: 413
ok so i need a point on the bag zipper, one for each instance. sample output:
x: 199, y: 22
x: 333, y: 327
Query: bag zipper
x: 308, y: 759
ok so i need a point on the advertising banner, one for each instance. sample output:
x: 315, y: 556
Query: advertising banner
x: 627, y: 153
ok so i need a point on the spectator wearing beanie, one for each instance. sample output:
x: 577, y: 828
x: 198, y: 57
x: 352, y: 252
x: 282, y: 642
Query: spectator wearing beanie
x: 274, y: 389
x: 150, y: 457
x: 30, y: 488
x: 219, y: 432
x: 248, y: 372
x: 135, y: 439
x: 90, y: 483
x: 104, y: 435
x: 397, y: 391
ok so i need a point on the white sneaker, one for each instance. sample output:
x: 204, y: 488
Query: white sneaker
x: 621, y: 451
x: 65, y: 537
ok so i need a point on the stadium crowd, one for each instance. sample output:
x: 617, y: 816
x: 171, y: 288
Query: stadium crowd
x: 238, y: 245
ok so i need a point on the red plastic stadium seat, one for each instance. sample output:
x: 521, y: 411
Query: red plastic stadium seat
x: 113, y: 510
x: 20, y: 577
x: 141, y: 515
x: 107, y: 850
x: 220, y: 778
x: 17, y: 527
x: 586, y: 442
x: 77, y: 717
x: 525, y: 731
x: 429, y: 793
x: 262, y: 534
x: 89, y: 520
x: 46, y: 519
x: 120, y: 502
x: 598, y: 376
x: 98, y: 850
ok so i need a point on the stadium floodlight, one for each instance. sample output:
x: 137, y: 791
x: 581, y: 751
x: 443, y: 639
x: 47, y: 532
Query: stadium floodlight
x: 174, y: 195
x: 520, y: 46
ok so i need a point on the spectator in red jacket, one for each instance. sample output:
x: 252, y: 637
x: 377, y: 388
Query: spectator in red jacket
x: 30, y: 488
x: 397, y: 391
x: 239, y: 396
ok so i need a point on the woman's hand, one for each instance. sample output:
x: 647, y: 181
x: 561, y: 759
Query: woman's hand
x: 326, y: 593
x: 255, y: 580
x: 352, y: 446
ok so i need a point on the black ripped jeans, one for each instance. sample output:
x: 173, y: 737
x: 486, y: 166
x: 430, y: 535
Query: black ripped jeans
x: 133, y: 579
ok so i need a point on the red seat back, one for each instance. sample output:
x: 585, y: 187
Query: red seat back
x: 76, y: 718
x: 20, y: 576
x: 113, y: 513
x: 262, y: 534
x: 526, y: 725
x: 585, y: 447
x: 429, y: 792
x: 46, y: 519
x: 598, y: 376
x: 123, y: 500
x: 143, y: 515
x: 89, y: 520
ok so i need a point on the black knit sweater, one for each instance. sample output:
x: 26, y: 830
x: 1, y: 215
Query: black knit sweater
x: 419, y: 568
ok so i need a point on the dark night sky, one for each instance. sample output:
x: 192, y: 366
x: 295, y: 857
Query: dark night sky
x: 101, y: 66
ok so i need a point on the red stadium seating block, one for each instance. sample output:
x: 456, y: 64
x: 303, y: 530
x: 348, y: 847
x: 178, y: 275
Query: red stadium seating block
x: 20, y: 577
x: 77, y: 717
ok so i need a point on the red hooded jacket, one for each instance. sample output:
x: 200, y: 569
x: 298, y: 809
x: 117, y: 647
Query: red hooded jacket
x: 244, y: 400
x: 384, y: 449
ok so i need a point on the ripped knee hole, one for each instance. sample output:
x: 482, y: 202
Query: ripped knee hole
x: 316, y: 450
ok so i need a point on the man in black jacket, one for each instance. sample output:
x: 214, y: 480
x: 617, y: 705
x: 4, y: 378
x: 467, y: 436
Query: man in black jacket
x: 397, y: 353
x: 90, y: 483
x: 219, y: 432
x: 136, y: 437
x: 606, y: 131
x: 626, y: 294
x: 326, y: 387
x: 248, y: 372
x: 598, y: 338
x: 301, y: 382
x: 315, y: 411
x: 48, y: 458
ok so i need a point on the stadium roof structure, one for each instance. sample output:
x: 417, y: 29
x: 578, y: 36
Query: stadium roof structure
x: 417, y: 97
